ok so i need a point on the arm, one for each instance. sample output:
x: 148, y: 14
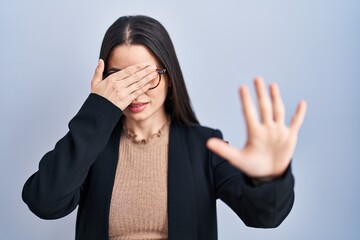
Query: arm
x: 256, y: 180
x: 54, y: 190
x: 265, y: 205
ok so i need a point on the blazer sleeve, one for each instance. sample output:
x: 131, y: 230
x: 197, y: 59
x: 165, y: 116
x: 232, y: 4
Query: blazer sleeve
x: 263, y: 206
x: 54, y: 190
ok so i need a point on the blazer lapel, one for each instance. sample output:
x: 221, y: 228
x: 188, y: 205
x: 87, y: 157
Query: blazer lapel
x: 181, y: 191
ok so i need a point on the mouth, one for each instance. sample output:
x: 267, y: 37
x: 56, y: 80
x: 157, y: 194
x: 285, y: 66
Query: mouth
x: 137, y: 107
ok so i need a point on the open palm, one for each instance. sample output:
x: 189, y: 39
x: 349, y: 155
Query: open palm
x: 270, y: 143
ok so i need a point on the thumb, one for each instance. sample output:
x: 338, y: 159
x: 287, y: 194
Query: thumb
x: 223, y: 149
x: 98, y: 75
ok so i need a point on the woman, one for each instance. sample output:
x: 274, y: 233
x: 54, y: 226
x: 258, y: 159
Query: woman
x: 138, y: 164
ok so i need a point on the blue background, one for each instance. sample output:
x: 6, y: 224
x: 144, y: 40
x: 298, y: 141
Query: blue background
x: 49, y: 50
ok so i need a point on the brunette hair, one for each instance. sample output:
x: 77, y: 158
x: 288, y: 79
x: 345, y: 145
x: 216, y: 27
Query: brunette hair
x: 151, y: 33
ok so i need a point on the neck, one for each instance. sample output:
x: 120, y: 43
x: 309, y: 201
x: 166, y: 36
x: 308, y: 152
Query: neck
x: 144, y: 129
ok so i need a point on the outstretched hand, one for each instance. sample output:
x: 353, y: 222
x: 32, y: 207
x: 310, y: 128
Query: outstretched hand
x: 270, y: 143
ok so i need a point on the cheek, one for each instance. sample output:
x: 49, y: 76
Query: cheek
x: 158, y: 95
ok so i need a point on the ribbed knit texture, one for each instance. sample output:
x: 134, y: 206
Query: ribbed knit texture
x: 138, y: 207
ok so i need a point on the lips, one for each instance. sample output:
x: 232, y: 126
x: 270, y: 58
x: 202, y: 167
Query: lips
x: 137, y: 107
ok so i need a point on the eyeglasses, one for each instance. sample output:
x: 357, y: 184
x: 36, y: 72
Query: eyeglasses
x: 153, y: 83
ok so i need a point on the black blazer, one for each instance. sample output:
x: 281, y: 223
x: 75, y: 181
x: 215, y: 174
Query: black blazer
x: 80, y: 171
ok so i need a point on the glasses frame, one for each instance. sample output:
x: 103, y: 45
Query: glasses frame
x: 160, y: 71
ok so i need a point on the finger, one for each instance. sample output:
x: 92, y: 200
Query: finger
x: 141, y: 83
x: 248, y: 108
x: 132, y: 70
x: 98, y: 72
x: 223, y: 149
x: 298, y: 118
x: 146, y: 74
x: 277, y: 104
x: 263, y: 100
x: 131, y: 97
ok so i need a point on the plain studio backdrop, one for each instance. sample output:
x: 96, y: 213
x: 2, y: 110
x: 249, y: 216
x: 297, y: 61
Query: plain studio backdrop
x: 49, y: 50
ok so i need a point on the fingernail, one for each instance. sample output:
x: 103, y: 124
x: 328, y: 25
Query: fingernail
x: 99, y: 62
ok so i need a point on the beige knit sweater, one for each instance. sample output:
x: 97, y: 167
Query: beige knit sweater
x: 138, y: 207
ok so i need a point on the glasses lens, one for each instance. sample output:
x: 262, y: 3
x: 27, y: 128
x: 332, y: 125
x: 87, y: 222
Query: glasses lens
x: 155, y: 82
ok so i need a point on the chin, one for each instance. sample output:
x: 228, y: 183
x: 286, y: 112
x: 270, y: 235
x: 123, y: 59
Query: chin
x: 135, y: 116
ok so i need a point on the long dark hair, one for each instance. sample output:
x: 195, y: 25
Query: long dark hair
x: 150, y: 33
